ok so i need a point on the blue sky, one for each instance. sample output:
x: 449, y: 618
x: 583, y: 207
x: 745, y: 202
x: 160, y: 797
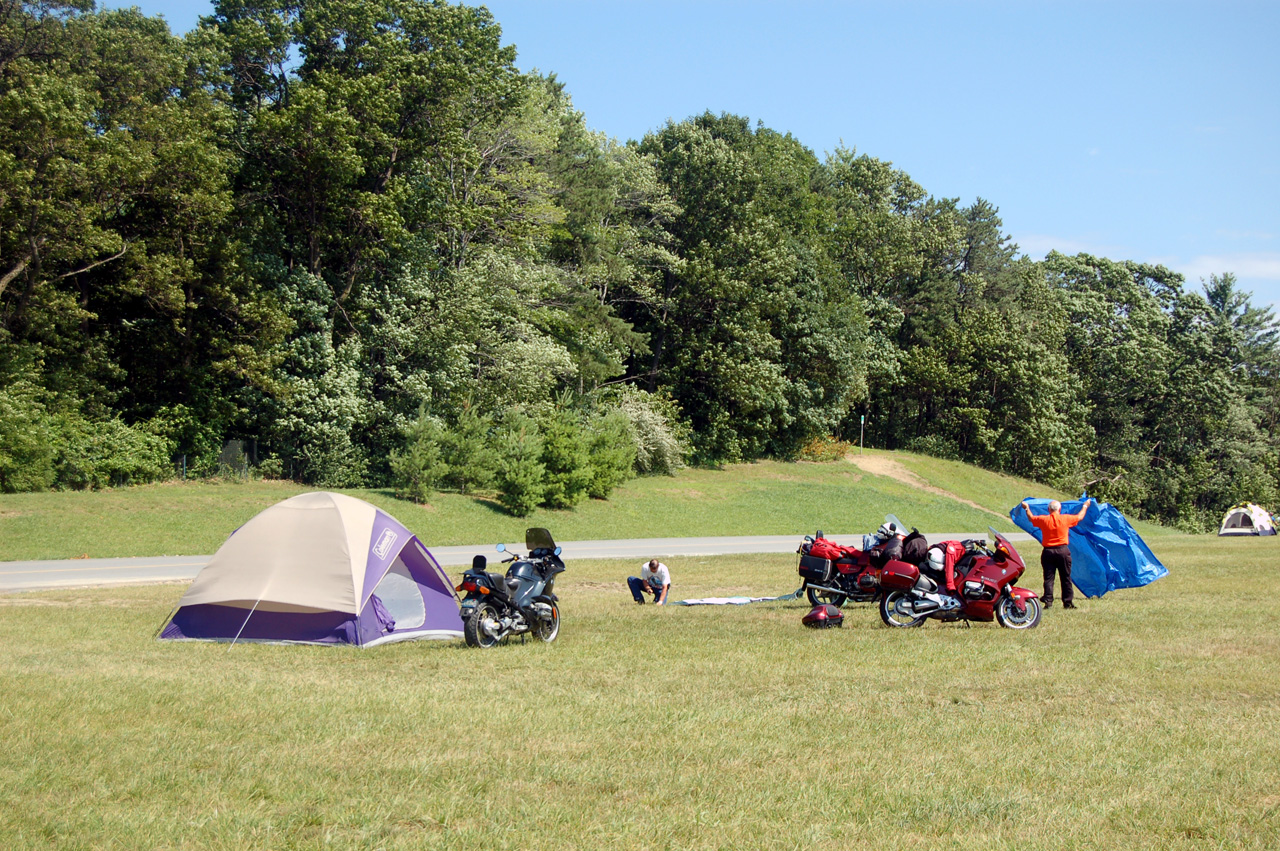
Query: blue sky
x: 1133, y: 130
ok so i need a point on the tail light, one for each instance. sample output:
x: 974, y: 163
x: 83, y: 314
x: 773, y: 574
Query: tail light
x: 469, y: 584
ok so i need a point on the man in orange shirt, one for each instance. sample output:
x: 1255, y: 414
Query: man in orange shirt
x: 1056, y: 556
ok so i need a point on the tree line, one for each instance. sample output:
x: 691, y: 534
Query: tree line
x: 358, y: 236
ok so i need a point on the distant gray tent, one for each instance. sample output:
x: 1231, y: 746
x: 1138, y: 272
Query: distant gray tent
x: 319, y: 568
x: 1247, y: 519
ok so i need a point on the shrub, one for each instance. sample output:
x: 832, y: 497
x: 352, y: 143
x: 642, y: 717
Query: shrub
x: 824, y: 449
x: 660, y: 437
x: 936, y: 446
x: 417, y: 468
x: 26, y: 447
x: 467, y: 451
x: 270, y: 467
x: 612, y: 451
x: 108, y: 453
x: 566, y: 457
x: 520, y: 476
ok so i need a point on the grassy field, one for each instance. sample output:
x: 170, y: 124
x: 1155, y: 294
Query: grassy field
x: 766, y: 498
x: 1144, y: 720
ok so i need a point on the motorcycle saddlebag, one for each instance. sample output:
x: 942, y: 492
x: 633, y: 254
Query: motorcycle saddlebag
x: 899, y: 576
x: 815, y: 569
x: 823, y: 616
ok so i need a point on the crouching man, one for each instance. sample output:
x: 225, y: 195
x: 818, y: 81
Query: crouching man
x: 654, y: 578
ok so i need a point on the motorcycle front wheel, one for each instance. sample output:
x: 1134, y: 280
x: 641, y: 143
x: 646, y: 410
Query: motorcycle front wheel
x: 473, y: 629
x: 547, y: 629
x: 892, y: 617
x: 818, y: 598
x: 1008, y: 617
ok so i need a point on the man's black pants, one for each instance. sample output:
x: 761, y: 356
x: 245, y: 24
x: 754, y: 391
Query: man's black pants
x: 1057, y: 560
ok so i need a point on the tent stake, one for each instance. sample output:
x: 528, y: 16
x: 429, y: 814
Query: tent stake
x: 243, y: 625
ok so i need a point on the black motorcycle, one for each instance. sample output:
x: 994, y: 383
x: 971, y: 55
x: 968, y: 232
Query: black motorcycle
x: 521, y: 603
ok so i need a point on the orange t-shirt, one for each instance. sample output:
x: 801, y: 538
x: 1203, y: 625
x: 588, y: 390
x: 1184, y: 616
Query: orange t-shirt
x: 1053, y: 527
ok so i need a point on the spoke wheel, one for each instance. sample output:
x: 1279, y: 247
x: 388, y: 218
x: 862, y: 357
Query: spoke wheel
x: 890, y: 614
x: 473, y: 630
x: 1007, y: 614
x: 818, y: 598
x: 546, y: 629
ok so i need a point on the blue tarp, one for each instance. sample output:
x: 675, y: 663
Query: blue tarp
x: 1106, y: 553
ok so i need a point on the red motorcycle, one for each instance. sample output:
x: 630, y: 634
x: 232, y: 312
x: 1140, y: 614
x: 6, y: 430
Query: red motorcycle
x: 985, y: 591
x: 831, y: 573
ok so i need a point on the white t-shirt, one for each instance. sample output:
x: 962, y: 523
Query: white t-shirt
x: 660, y: 577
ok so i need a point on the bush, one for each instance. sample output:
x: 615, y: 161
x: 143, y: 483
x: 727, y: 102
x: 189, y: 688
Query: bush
x: 190, y: 433
x: 26, y: 445
x: 612, y: 451
x: 520, y: 474
x: 467, y: 451
x: 270, y: 467
x: 417, y: 469
x: 935, y: 446
x: 660, y: 437
x: 567, y: 459
x: 108, y: 454
x: 825, y: 449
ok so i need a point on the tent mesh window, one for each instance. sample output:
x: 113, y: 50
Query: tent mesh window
x: 401, y: 597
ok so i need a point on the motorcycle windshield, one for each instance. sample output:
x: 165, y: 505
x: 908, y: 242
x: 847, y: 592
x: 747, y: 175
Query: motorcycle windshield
x: 1000, y: 540
x: 538, y: 539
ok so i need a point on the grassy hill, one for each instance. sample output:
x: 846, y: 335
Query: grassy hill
x: 764, y: 498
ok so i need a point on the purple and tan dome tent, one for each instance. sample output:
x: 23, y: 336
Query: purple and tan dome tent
x: 319, y: 568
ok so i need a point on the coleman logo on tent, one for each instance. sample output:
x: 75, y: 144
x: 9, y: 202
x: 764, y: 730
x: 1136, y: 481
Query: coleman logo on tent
x: 385, y: 542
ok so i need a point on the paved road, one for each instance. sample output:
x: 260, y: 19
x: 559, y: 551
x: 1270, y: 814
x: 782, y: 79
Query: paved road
x: 34, y: 575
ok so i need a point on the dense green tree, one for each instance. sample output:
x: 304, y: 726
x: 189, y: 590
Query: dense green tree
x: 419, y: 466
x: 466, y: 449
x: 521, y: 476
x: 566, y: 458
x: 611, y: 452
x: 307, y: 223
x: 120, y: 285
x: 753, y: 335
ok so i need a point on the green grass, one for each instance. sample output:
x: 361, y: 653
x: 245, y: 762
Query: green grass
x: 1145, y: 720
x: 765, y: 498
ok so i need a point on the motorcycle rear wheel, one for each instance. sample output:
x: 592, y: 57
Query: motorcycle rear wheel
x: 547, y: 630
x: 1008, y: 617
x: 892, y: 617
x: 818, y: 598
x: 473, y: 629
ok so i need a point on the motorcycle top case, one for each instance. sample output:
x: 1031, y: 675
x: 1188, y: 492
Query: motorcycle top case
x: 817, y: 569
x: 823, y: 616
x: 899, y: 576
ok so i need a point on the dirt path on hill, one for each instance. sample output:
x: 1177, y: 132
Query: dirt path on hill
x: 878, y: 465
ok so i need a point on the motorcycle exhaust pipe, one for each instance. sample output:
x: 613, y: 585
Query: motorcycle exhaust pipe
x: 828, y: 589
x: 924, y: 607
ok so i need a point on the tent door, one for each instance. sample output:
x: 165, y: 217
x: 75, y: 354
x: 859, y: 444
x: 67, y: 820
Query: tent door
x: 401, y: 597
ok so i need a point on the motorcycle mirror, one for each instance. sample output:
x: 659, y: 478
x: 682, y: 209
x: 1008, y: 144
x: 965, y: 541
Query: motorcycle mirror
x: 502, y: 548
x: 818, y: 534
x: 557, y: 551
